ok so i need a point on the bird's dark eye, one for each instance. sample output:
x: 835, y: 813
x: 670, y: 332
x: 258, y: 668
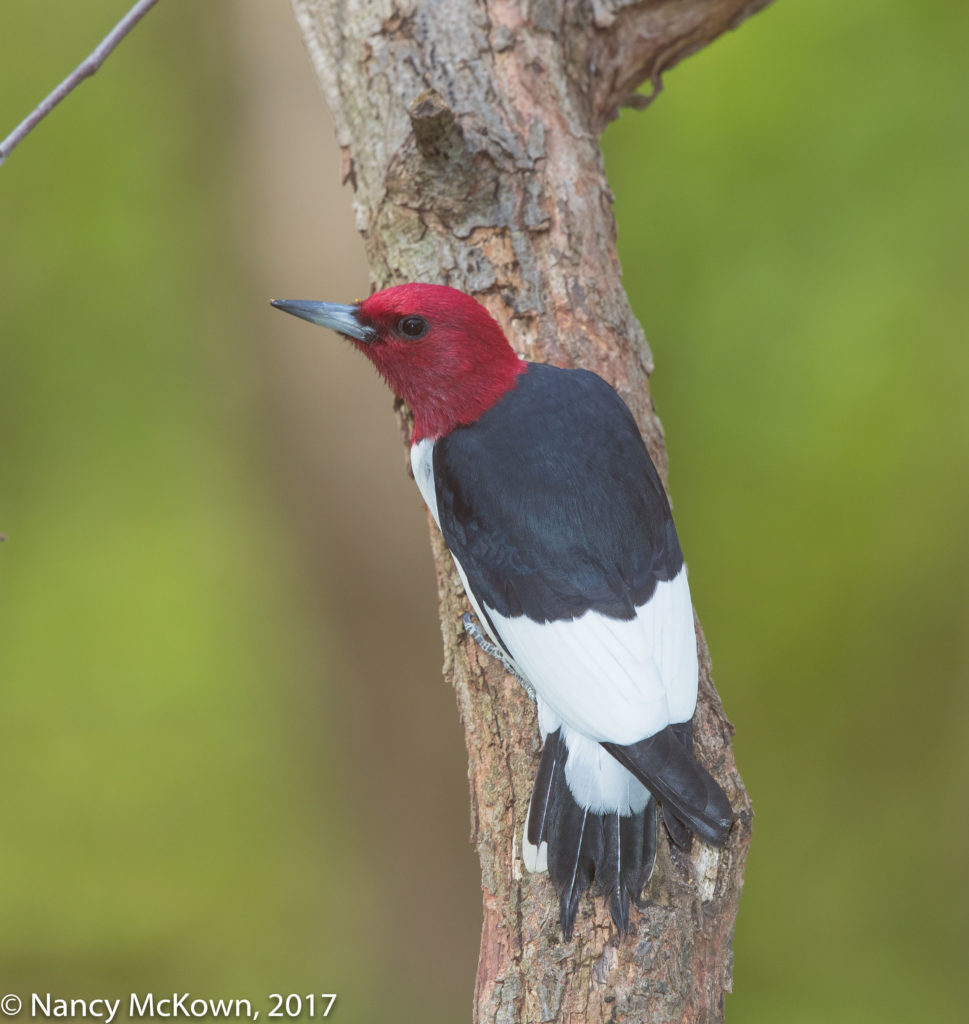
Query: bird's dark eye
x: 412, y: 326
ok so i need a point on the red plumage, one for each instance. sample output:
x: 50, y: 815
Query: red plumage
x: 454, y: 372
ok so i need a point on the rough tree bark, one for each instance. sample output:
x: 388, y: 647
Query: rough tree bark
x: 469, y: 131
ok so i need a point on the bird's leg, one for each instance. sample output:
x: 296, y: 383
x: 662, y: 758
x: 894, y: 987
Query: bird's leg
x: 478, y: 635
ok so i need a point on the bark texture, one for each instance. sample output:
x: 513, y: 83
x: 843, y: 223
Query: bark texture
x: 469, y: 131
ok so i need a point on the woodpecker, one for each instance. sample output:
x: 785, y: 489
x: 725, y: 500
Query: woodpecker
x: 562, y: 534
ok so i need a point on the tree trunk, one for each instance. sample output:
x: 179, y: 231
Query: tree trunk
x: 469, y: 131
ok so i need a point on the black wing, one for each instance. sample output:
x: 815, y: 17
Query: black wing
x: 551, y: 503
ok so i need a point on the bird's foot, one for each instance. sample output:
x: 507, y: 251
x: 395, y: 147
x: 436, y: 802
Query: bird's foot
x: 479, y: 636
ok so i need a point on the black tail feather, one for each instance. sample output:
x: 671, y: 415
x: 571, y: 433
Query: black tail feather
x: 574, y: 846
x: 614, y: 851
x: 630, y: 850
x: 678, y: 830
x: 549, y: 768
x: 690, y: 796
x: 683, y: 731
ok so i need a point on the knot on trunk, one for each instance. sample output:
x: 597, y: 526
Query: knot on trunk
x: 438, y: 135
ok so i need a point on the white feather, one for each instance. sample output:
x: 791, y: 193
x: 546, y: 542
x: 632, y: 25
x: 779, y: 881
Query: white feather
x: 610, y: 679
x: 597, y: 780
x: 535, y: 858
x: 422, y: 466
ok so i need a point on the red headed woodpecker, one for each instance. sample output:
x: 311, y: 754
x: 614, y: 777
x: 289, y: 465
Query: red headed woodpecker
x: 562, y: 535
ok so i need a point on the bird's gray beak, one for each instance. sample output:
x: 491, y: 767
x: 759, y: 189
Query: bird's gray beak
x: 329, y: 314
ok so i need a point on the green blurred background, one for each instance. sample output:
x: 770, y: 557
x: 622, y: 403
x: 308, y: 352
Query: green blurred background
x: 228, y: 761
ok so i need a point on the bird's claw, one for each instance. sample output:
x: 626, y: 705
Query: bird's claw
x: 479, y: 636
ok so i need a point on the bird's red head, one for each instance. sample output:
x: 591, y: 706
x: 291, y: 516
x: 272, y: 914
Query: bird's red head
x: 437, y: 348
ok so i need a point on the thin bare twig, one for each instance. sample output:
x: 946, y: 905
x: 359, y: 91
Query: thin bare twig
x: 74, y: 79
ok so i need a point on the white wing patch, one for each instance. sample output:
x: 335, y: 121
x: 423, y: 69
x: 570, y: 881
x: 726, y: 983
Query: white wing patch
x: 609, y: 679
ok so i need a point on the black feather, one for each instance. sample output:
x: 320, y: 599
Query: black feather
x: 572, y: 847
x: 628, y: 856
x: 551, y: 504
x: 690, y: 796
x: 677, y: 829
x: 554, y: 754
x: 616, y: 852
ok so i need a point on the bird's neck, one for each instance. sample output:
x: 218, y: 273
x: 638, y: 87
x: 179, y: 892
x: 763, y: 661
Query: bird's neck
x: 441, y: 402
